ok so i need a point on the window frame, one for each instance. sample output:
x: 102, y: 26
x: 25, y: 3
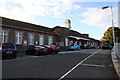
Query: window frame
x: 31, y: 38
x: 18, y: 36
x: 4, y: 36
x: 41, y: 39
x: 50, y: 40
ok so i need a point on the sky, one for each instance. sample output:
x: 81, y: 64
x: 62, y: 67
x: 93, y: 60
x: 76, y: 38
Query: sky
x: 86, y: 16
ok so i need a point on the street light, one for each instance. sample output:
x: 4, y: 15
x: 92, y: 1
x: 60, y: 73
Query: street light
x: 112, y: 28
x: 112, y: 22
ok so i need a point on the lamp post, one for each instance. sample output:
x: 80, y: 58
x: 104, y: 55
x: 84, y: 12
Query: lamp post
x: 112, y: 22
x: 115, y: 56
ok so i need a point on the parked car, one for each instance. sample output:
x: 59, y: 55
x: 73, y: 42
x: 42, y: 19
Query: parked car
x: 36, y: 50
x: 8, y: 50
x: 74, y: 47
x: 90, y: 47
x: 52, y: 49
x: 106, y: 46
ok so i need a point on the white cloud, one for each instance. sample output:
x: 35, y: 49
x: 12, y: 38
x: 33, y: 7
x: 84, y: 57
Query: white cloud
x: 99, y: 18
x: 25, y: 10
x: 55, y: 8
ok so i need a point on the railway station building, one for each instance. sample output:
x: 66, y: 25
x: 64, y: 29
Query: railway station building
x: 25, y: 34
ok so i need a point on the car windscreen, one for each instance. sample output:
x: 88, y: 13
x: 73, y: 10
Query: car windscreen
x: 7, y: 45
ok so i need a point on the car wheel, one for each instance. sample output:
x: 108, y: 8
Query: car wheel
x: 56, y: 52
x: 36, y: 54
x: 15, y: 56
x: 53, y: 53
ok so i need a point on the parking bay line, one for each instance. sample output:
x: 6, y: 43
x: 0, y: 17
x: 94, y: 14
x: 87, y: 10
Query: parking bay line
x: 77, y: 65
x: 93, y: 65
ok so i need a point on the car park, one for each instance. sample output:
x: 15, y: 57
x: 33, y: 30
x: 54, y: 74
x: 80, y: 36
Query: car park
x: 8, y: 50
x: 36, y: 50
x: 74, y: 47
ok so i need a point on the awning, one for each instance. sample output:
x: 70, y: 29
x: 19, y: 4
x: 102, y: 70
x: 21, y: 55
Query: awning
x: 78, y: 38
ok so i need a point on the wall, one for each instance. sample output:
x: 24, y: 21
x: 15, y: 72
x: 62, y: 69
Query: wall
x: 21, y: 47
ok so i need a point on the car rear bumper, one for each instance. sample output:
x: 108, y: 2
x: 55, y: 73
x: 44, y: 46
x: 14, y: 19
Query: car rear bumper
x: 8, y: 55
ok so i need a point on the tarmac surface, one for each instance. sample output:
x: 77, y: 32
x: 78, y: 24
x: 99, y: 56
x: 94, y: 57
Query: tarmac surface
x: 85, y: 64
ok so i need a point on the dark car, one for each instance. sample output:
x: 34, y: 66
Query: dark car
x: 90, y: 47
x: 8, y: 50
x: 53, y: 49
x: 106, y: 46
x: 36, y: 50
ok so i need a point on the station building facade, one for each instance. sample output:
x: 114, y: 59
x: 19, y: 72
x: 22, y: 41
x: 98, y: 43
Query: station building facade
x: 25, y: 34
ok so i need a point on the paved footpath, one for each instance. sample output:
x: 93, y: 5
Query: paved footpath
x: 116, y: 63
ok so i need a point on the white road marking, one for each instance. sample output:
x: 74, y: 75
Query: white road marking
x: 93, y: 65
x: 80, y: 51
x: 77, y: 65
x: 68, y: 52
x: 34, y: 56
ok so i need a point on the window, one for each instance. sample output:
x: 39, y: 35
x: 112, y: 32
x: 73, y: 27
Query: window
x: 18, y: 37
x: 61, y: 43
x: 50, y: 40
x: 30, y: 39
x: 66, y: 41
x: 41, y: 39
x: 4, y: 36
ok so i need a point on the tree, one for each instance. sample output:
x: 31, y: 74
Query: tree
x: 108, y: 35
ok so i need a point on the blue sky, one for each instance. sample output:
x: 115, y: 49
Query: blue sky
x: 86, y: 15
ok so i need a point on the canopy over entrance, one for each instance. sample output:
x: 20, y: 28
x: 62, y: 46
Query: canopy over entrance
x: 78, y: 38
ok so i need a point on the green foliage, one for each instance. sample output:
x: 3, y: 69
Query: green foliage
x: 108, y: 35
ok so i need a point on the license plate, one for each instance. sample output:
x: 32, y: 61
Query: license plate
x: 45, y: 50
x: 9, y: 52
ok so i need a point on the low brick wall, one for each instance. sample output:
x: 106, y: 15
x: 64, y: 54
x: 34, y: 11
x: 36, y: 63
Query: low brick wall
x: 21, y: 50
x: 65, y: 48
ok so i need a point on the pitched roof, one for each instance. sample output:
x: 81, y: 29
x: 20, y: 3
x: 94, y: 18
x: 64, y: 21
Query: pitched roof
x: 25, y: 25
